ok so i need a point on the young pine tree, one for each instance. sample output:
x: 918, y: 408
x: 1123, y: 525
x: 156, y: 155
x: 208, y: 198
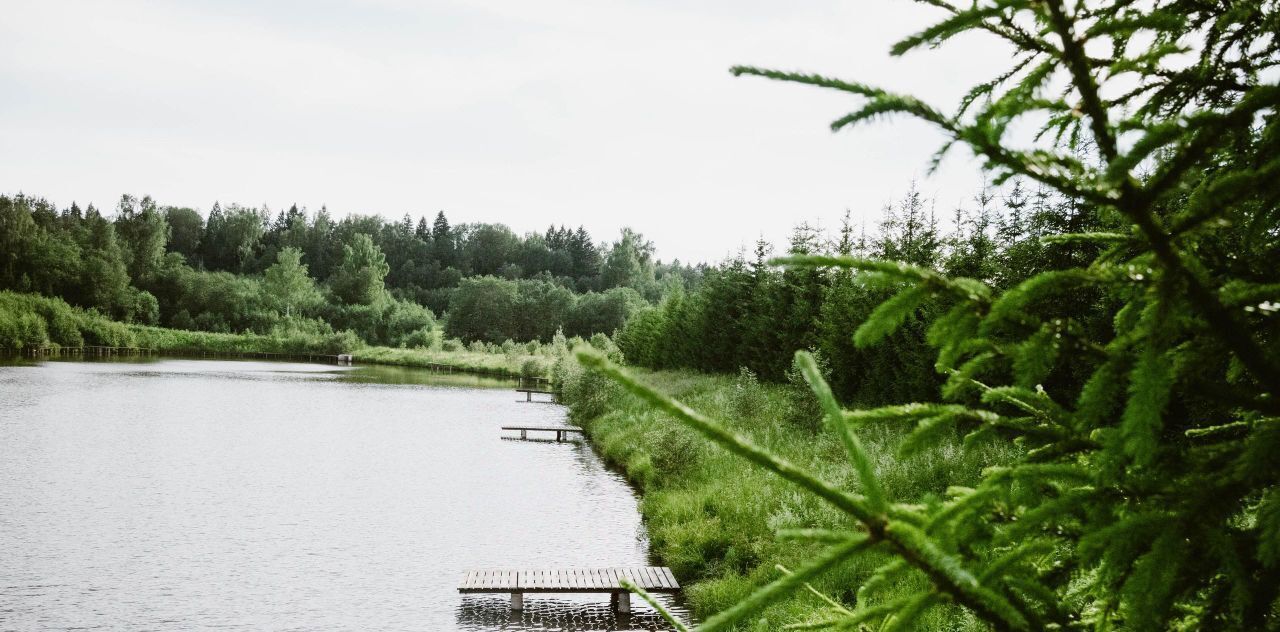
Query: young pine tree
x: 1144, y: 496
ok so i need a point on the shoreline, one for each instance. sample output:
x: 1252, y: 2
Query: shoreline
x: 462, y: 362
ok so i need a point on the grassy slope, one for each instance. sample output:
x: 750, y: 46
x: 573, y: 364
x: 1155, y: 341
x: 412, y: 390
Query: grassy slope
x: 711, y: 516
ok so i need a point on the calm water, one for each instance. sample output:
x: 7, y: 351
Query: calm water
x: 176, y: 495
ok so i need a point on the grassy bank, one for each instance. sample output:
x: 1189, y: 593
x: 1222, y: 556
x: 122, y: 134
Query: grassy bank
x: 30, y: 322
x: 510, y: 364
x: 712, y: 516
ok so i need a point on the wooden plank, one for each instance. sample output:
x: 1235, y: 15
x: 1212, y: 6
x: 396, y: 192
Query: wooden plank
x: 557, y: 428
x: 671, y: 578
x: 599, y: 579
x: 654, y: 577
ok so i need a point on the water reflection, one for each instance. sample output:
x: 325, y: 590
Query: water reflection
x: 178, y: 494
x: 551, y: 613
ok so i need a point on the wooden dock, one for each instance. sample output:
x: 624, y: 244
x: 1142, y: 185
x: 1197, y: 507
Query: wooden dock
x: 654, y: 579
x: 562, y: 432
x: 528, y: 394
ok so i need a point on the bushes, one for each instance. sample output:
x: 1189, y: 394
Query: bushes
x: 29, y: 322
x: 603, y: 312
x: 387, y: 321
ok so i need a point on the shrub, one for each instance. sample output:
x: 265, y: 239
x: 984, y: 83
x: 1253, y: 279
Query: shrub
x: 748, y: 397
x: 422, y: 338
x: 531, y: 368
x: 803, y: 409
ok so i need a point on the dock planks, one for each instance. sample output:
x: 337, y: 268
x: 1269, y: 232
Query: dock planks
x: 568, y: 580
x: 562, y: 432
x: 528, y: 394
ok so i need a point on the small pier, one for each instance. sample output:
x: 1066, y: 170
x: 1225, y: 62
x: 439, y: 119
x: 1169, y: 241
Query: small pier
x: 654, y: 579
x: 562, y: 432
x: 528, y: 394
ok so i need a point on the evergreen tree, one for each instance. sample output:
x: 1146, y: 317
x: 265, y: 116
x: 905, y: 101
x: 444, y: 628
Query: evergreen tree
x: 1144, y: 495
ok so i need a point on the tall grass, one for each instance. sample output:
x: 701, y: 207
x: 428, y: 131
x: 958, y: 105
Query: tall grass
x: 714, y: 518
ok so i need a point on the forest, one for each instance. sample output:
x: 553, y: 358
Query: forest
x: 241, y: 269
x: 746, y: 313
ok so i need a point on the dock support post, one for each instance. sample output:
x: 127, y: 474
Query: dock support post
x: 517, y: 601
x: 528, y: 396
x: 524, y: 434
x: 621, y: 602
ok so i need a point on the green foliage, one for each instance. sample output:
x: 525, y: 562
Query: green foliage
x: 242, y: 271
x: 287, y: 283
x: 359, y: 278
x: 493, y: 309
x: 29, y: 322
x: 1122, y: 358
x: 713, y: 517
x: 483, y: 362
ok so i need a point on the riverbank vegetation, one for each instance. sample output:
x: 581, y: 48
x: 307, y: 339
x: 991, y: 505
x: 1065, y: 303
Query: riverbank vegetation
x: 32, y: 323
x: 713, y: 517
x: 1106, y: 417
x: 244, y: 270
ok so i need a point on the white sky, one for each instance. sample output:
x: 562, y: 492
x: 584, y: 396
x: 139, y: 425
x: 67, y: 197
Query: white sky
x: 603, y: 113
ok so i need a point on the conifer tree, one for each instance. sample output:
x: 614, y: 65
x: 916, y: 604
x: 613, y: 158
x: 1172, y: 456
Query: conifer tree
x: 1144, y: 495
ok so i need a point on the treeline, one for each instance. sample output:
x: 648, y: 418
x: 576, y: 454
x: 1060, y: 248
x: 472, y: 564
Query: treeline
x: 242, y: 269
x: 748, y: 314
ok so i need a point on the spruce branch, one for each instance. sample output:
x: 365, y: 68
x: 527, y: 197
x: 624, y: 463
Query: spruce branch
x: 948, y: 572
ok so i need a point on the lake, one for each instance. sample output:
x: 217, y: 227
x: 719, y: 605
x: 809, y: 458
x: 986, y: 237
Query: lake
x: 188, y: 494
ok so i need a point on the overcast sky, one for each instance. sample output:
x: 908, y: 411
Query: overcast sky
x: 603, y: 113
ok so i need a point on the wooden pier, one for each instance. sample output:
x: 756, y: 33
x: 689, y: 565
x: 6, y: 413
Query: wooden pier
x: 654, y: 579
x: 528, y: 394
x: 562, y: 432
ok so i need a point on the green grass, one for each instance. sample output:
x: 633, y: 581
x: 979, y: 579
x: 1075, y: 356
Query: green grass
x: 712, y: 516
x: 516, y: 364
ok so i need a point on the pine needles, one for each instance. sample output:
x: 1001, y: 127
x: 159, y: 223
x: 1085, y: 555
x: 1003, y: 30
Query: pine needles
x: 1146, y: 494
